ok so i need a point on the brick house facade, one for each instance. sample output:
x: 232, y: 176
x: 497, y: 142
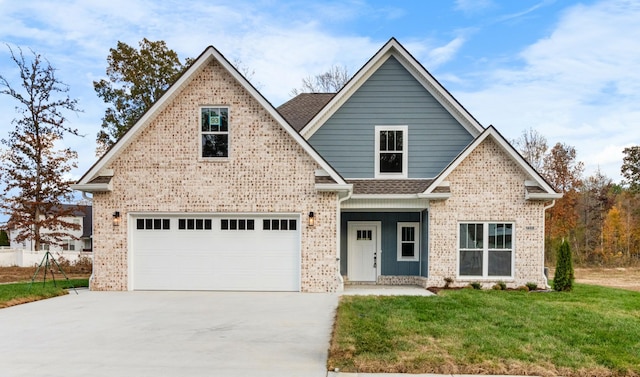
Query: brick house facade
x: 283, y: 207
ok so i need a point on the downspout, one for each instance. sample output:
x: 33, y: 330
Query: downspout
x: 544, y: 224
x: 84, y: 195
x: 338, y: 236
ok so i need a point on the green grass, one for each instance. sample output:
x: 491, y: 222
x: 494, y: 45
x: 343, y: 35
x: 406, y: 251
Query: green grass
x: 590, y: 331
x: 20, y: 293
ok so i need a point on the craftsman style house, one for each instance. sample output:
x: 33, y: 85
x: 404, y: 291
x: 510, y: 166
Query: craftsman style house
x: 389, y: 181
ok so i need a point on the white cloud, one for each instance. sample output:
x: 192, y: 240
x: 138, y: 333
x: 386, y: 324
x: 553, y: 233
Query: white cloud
x: 580, y: 85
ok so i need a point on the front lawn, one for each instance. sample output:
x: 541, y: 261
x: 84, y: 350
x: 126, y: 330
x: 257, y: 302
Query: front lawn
x: 591, y: 331
x: 20, y: 293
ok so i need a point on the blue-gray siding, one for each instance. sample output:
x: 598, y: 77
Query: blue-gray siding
x: 389, y: 241
x: 391, y: 96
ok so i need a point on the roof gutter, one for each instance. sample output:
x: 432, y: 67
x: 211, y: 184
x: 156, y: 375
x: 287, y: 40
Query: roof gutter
x: 333, y: 187
x: 92, y: 187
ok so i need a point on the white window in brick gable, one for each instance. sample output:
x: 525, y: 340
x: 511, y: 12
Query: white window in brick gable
x: 486, y: 250
x: 214, y: 132
x: 408, y: 241
x: 391, y: 152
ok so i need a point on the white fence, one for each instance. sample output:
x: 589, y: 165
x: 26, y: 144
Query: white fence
x: 25, y: 258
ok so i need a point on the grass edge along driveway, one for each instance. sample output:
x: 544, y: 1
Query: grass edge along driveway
x: 591, y: 331
x: 20, y: 293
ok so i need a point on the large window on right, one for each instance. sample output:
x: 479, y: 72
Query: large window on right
x: 486, y: 249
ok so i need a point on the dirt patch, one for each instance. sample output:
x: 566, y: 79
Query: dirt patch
x: 621, y: 277
x: 22, y: 274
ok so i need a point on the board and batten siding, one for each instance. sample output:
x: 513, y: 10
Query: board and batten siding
x: 391, y: 96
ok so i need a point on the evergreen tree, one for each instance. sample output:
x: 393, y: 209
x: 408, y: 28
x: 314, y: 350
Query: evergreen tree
x: 563, y: 279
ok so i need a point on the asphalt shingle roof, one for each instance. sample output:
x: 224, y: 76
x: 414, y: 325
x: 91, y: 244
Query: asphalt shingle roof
x: 299, y: 110
x: 389, y: 186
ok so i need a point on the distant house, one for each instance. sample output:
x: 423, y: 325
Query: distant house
x: 81, y: 216
x: 389, y: 181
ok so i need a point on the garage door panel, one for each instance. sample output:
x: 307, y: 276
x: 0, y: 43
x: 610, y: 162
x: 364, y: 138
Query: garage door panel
x: 216, y: 258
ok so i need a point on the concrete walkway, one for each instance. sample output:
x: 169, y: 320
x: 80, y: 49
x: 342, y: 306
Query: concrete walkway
x: 384, y: 290
x: 107, y: 334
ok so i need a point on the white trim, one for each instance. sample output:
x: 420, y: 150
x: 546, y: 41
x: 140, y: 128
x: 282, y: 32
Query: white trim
x: 378, y: 226
x: 416, y: 242
x: 485, y: 251
x: 92, y: 187
x: 209, y: 54
x: 333, y: 187
x: 380, y: 203
x: 405, y: 152
x: 394, y: 48
x: 201, y: 133
x: 542, y: 196
x: 507, y: 148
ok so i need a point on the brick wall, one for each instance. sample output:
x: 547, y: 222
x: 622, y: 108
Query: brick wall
x: 487, y: 186
x: 267, y: 171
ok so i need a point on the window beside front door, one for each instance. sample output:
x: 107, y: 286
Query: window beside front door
x: 408, y: 245
x: 214, y: 132
x: 486, y: 249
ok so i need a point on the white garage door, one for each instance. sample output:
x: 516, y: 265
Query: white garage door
x: 237, y: 253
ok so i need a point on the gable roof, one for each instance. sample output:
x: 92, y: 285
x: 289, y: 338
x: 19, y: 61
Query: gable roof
x: 95, y: 179
x: 299, y: 110
x: 395, y: 49
x: 537, y: 188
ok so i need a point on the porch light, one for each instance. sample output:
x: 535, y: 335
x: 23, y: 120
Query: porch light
x: 312, y: 219
x: 116, y: 218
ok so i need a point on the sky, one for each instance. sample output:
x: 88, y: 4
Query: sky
x: 566, y: 69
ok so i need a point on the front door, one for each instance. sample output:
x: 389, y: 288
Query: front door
x: 363, y: 253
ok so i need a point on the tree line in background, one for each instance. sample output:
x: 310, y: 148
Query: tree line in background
x: 600, y: 219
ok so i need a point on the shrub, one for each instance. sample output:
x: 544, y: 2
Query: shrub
x: 83, y: 264
x: 524, y: 288
x: 447, y: 282
x: 475, y: 285
x: 532, y: 286
x: 563, y: 279
x: 502, y: 285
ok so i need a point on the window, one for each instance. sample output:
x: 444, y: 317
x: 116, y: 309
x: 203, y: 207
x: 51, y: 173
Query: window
x: 215, y: 132
x: 279, y: 224
x: 391, y: 151
x: 237, y: 224
x: 408, y: 244
x: 194, y: 224
x: 153, y: 224
x: 364, y: 235
x: 486, y: 249
x: 68, y: 245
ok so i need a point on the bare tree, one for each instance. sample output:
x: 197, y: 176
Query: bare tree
x: 328, y: 82
x: 247, y: 72
x: 533, y: 147
x: 35, y: 174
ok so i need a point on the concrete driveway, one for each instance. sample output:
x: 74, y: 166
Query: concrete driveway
x: 168, y: 334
